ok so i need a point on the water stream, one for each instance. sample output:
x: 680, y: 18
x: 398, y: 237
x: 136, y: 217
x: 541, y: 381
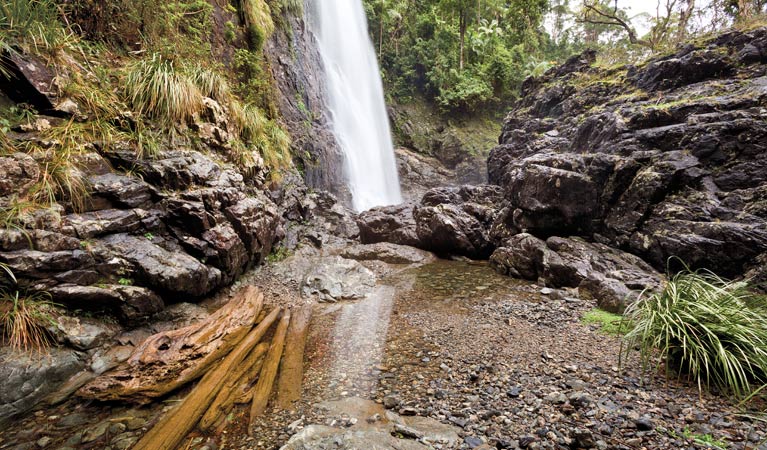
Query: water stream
x: 356, y: 102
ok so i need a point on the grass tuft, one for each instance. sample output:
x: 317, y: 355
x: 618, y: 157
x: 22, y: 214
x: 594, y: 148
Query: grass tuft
x: 702, y: 327
x: 157, y: 89
x: 24, y: 319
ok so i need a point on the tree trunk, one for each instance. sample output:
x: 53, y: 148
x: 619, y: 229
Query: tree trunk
x: 169, y: 360
x: 292, y: 366
x: 168, y: 433
x: 263, y: 388
x: 462, y: 28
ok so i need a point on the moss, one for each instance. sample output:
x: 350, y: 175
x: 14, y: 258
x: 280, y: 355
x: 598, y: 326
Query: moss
x: 609, y: 323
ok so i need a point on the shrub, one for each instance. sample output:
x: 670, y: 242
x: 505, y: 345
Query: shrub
x: 711, y: 330
x: 155, y: 88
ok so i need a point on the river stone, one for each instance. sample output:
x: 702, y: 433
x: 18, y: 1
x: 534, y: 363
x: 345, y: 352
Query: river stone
x: 393, y: 224
x: 30, y: 377
x: 387, y: 252
x: 335, y: 278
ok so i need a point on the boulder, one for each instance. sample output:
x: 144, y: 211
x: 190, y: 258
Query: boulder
x: 129, y: 303
x: 612, y: 277
x: 332, y: 279
x: 172, y: 272
x: 387, y: 252
x: 393, y: 224
x: 29, y: 377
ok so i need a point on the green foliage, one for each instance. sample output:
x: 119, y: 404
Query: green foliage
x: 278, y: 254
x: 155, y: 88
x: 125, y: 282
x: 609, y: 323
x: 34, y: 24
x: 257, y: 17
x: 24, y: 318
x: 708, y: 329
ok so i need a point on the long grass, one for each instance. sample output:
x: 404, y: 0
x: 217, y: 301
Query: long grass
x: 156, y: 88
x: 705, y: 328
x: 25, y: 319
x: 35, y: 24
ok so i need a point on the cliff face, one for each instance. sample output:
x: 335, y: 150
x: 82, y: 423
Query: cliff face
x: 296, y: 68
x: 665, y: 159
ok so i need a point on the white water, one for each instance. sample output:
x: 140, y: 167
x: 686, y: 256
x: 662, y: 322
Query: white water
x: 356, y: 102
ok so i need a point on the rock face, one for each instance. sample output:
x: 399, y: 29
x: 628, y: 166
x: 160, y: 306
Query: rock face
x: 190, y: 226
x: 296, y: 67
x: 388, y: 253
x: 661, y: 160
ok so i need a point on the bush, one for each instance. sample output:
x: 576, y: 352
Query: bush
x: 711, y: 330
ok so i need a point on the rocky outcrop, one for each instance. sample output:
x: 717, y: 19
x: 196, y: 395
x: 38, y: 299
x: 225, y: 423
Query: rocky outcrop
x: 189, y: 226
x: 612, y: 277
x: 664, y: 159
x: 388, y: 253
x: 393, y: 224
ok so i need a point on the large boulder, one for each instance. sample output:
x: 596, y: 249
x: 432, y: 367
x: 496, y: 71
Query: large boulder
x: 393, y: 224
x: 387, y: 252
x: 612, y: 277
x: 30, y: 377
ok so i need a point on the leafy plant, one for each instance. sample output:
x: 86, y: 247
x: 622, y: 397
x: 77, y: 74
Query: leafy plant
x: 705, y: 328
x: 125, y: 282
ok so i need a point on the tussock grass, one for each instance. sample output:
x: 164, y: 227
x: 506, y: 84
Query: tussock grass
x: 705, y: 328
x: 24, y: 319
x: 155, y: 87
x: 211, y: 84
x: 35, y: 24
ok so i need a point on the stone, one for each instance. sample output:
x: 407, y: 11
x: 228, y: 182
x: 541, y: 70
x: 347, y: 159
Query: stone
x: 394, y: 224
x: 161, y: 269
x: 336, y: 278
x: 29, y: 377
x: 20, y: 172
x: 387, y: 252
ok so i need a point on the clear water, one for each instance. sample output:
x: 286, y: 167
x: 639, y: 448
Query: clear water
x: 356, y: 101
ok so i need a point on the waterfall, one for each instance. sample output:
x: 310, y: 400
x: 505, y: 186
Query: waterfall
x: 356, y: 102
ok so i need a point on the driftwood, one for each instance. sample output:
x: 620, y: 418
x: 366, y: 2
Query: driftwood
x: 166, y: 361
x: 263, y: 388
x: 226, y: 397
x: 292, y: 365
x: 177, y: 423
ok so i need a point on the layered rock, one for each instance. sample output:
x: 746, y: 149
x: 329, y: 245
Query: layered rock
x: 190, y: 225
x: 664, y: 159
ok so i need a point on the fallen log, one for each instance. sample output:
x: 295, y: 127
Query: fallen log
x: 225, y: 399
x: 292, y: 366
x: 263, y: 388
x: 166, y: 361
x: 177, y: 423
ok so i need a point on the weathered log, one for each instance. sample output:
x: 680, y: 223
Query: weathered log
x: 169, y: 360
x: 177, y: 423
x: 225, y: 399
x: 263, y: 388
x: 292, y: 366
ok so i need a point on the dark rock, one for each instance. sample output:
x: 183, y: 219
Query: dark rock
x: 121, y: 191
x: 129, y: 303
x: 612, y: 277
x: 31, y: 81
x: 99, y: 223
x: 164, y: 270
x: 644, y: 424
x: 393, y: 224
x: 256, y: 220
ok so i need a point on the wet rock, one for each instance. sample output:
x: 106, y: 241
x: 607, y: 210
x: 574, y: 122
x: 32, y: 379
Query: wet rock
x: 83, y: 333
x: 457, y: 221
x: 256, y: 221
x: 30, y: 377
x: 335, y: 278
x: 108, y: 221
x: 387, y: 252
x: 129, y: 303
x: 419, y: 173
x: 394, y: 224
x: 31, y: 81
x: 121, y: 191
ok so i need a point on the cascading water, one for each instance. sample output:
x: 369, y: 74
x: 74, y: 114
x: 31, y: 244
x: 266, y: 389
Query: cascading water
x: 356, y: 102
